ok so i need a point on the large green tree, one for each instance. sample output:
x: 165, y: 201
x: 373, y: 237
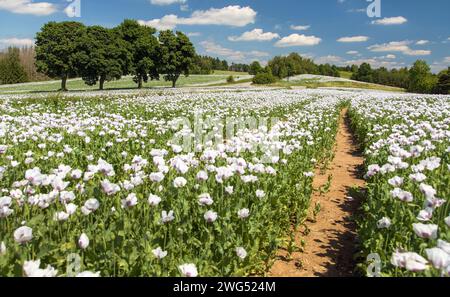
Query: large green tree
x: 107, y: 56
x: 443, y: 84
x: 177, y: 55
x: 420, y: 78
x: 143, y: 47
x: 59, y: 50
x: 255, y: 68
x: 11, y: 70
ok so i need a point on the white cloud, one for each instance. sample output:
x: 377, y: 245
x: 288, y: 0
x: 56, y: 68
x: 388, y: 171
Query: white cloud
x: 230, y: 54
x: 390, y: 21
x: 193, y: 34
x: 166, y: 2
x: 255, y: 35
x: 20, y: 42
x: 298, y: 40
x: 398, y: 46
x: 28, y: 7
x: 390, y: 56
x: 352, y: 53
x: 374, y: 62
x: 437, y: 67
x: 329, y: 60
x: 300, y: 27
x: 235, y: 16
x: 353, y: 39
x: 422, y: 42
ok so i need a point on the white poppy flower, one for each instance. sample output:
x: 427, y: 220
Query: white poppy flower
x: 23, y: 234
x: 154, y: 200
x: 210, y: 216
x: 188, y: 270
x: 241, y: 252
x: 426, y: 231
x: 83, y: 241
x: 159, y: 253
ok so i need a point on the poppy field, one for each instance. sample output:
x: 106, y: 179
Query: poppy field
x: 195, y: 183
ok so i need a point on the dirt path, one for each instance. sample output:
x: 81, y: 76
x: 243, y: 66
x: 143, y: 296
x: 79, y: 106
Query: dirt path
x: 330, y: 244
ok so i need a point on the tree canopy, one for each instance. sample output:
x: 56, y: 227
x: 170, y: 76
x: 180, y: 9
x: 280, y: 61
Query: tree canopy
x: 177, y: 55
x: 59, y: 50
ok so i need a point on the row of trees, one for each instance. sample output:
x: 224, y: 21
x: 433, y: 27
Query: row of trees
x: 207, y: 65
x: 417, y: 79
x: 98, y: 54
x: 11, y: 69
x: 17, y: 65
x: 291, y: 65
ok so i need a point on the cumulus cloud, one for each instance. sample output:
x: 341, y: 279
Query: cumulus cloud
x: 300, y: 27
x: 422, y: 42
x: 298, y: 40
x: 352, y: 52
x: 398, y: 46
x: 28, y: 7
x: 235, y: 16
x: 255, y: 35
x: 390, y: 21
x: 234, y: 55
x: 330, y: 59
x: 166, y: 2
x: 353, y: 39
x: 375, y: 62
x: 19, y: 42
x: 194, y: 34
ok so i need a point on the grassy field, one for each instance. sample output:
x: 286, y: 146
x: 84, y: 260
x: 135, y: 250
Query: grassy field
x: 124, y: 83
x: 314, y: 84
x: 234, y: 73
x: 346, y: 74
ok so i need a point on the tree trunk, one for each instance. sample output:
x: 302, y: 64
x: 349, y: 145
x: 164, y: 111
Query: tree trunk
x: 174, y: 81
x: 102, y: 82
x: 140, y: 82
x: 64, y: 83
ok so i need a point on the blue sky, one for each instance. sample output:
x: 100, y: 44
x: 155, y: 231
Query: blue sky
x: 334, y: 31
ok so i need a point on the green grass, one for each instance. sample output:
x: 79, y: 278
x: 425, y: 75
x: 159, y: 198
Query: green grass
x: 346, y: 74
x: 124, y: 83
x: 336, y: 84
x: 226, y: 72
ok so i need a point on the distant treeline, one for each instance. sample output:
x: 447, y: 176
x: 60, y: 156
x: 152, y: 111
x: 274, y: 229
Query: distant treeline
x: 207, y: 65
x: 17, y: 65
x: 417, y: 79
x: 281, y: 67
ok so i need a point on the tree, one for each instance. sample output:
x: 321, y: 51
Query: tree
x: 364, y: 73
x: 263, y: 78
x: 107, y: 56
x: 255, y: 68
x: 143, y: 48
x: 11, y: 71
x: 420, y: 78
x: 59, y: 50
x: 177, y: 55
x: 443, y: 84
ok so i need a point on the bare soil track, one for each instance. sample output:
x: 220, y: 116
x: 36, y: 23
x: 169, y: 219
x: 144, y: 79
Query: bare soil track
x: 330, y: 243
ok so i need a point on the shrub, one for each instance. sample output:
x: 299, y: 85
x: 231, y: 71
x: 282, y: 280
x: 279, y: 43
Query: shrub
x: 230, y: 79
x: 263, y: 79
